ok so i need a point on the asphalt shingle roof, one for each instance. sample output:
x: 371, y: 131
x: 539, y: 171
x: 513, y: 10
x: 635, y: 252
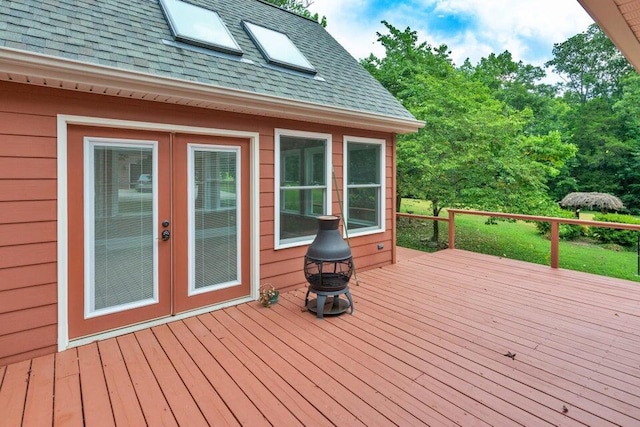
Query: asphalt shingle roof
x: 134, y: 35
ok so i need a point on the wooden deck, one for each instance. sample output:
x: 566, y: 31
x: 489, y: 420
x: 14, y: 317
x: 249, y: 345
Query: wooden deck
x: 427, y: 344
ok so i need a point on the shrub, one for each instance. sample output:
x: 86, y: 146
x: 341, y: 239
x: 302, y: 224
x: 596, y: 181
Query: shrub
x: 566, y: 231
x: 625, y: 238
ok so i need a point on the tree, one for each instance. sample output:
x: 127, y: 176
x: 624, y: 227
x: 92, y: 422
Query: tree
x: 519, y: 86
x: 512, y: 82
x: 604, y: 119
x: 595, y: 131
x: 300, y: 7
x: 590, y: 64
x: 627, y: 111
x: 472, y: 151
x: 405, y: 59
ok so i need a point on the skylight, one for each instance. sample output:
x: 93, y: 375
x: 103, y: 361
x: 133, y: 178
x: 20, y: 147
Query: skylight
x: 277, y: 48
x: 199, y: 26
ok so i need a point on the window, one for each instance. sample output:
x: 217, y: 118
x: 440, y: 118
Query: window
x: 199, y: 26
x: 364, y: 185
x: 302, y: 177
x: 277, y: 48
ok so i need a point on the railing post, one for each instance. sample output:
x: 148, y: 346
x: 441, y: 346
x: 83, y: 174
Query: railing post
x: 555, y: 239
x: 452, y: 230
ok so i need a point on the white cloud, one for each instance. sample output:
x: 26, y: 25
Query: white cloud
x: 349, y: 26
x: 498, y: 25
x: 509, y: 24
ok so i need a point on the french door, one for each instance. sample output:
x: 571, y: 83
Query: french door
x: 158, y: 225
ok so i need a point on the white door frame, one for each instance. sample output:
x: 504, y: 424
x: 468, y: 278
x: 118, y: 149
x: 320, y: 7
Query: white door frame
x: 63, y: 121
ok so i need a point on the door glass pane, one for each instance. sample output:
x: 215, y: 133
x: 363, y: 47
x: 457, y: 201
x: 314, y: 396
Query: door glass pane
x: 214, y: 213
x: 123, y: 226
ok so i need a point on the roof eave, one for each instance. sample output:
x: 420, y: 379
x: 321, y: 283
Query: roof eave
x: 44, y: 70
x: 609, y: 18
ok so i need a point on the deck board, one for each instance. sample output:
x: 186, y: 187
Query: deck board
x: 38, y: 410
x: 183, y: 406
x: 329, y: 375
x: 122, y: 396
x: 425, y: 346
x: 67, y: 403
x: 269, y: 375
x: 205, y: 396
x: 231, y: 393
x: 270, y: 407
x: 405, y: 408
x: 95, y: 396
x: 481, y: 367
x: 151, y: 397
x: 14, y: 391
x: 363, y: 349
x: 280, y: 359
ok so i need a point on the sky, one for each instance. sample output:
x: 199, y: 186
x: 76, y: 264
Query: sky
x: 470, y: 28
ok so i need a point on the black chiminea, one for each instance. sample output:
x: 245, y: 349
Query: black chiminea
x: 328, y: 266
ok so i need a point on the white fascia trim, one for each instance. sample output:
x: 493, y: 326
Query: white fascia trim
x: 63, y: 121
x: 46, y: 67
x: 609, y: 18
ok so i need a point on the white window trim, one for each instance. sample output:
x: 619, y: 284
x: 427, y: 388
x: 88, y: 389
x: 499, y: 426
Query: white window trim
x: 89, y: 224
x: 329, y: 165
x: 191, y: 150
x: 383, y: 184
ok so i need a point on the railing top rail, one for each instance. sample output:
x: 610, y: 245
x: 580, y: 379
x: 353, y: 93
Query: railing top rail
x: 523, y: 217
x: 617, y: 225
x: 433, y: 218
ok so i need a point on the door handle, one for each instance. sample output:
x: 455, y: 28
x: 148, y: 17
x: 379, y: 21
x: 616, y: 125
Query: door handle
x: 166, y: 234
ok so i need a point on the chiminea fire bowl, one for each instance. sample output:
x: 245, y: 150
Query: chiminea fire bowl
x: 328, y: 276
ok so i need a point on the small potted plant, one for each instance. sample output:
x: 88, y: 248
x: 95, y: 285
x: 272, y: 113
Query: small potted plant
x: 268, y: 295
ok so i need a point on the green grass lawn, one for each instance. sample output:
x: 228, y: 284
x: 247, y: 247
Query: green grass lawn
x: 515, y: 240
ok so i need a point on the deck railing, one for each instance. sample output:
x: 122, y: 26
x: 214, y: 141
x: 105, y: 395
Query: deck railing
x: 555, y: 225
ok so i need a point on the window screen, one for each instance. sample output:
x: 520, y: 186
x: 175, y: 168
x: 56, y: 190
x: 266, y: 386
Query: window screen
x: 302, y: 186
x: 365, y: 176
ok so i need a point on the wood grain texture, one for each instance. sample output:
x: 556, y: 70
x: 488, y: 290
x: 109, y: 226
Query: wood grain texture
x: 38, y: 409
x: 427, y: 344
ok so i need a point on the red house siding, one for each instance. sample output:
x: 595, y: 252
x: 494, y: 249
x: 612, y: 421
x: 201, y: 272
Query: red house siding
x: 28, y: 200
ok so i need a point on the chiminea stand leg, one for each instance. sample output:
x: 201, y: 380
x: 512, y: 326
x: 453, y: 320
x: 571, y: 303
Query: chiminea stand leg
x: 337, y: 305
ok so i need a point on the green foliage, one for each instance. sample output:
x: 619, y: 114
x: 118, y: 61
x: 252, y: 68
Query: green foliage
x: 473, y: 150
x: 565, y: 231
x: 591, y: 64
x: 301, y: 7
x: 604, y: 119
x: 627, y: 238
x: 515, y: 240
x: 627, y: 112
x: 498, y: 139
x: 404, y: 60
x: 518, y: 85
